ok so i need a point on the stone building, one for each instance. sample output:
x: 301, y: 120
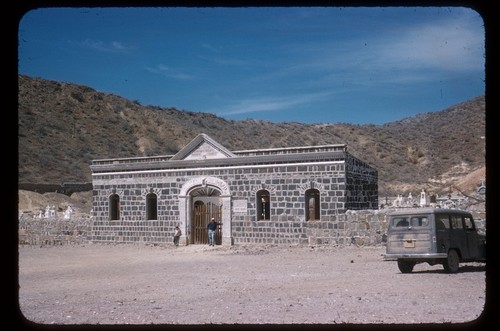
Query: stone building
x: 273, y: 196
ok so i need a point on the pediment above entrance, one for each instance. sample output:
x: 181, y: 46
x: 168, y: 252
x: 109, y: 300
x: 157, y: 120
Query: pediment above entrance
x: 202, y: 148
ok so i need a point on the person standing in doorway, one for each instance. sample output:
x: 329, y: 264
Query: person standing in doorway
x: 177, y: 235
x: 211, y: 227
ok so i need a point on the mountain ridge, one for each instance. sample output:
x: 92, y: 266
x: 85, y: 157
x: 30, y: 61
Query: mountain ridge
x: 62, y: 127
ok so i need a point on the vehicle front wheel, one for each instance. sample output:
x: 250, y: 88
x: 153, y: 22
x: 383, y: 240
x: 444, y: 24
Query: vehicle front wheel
x: 405, y: 266
x: 451, y: 263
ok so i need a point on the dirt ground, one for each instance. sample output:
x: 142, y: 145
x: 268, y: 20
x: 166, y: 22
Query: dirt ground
x: 138, y: 284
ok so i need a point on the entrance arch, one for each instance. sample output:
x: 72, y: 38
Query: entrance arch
x: 200, y: 199
x: 206, y: 204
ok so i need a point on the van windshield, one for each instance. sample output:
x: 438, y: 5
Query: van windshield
x: 413, y: 221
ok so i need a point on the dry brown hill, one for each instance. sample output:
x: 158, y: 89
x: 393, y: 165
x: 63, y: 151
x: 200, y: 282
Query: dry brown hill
x: 63, y: 127
x: 32, y: 203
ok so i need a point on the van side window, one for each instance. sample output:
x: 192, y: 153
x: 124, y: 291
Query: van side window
x: 469, y: 225
x: 456, y: 222
x: 419, y: 221
x: 442, y: 222
x: 400, y: 221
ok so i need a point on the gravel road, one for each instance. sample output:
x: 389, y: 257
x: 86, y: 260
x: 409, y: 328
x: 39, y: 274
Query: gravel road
x: 139, y: 284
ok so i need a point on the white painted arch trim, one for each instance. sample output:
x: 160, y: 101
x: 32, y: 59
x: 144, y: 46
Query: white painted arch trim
x: 204, y: 181
x: 185, y: 206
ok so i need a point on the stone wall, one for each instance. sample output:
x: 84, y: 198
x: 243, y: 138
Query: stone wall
x: 354, y: 227
x: 54, y: 231
x: 361, y: 185
x: 363, y: 227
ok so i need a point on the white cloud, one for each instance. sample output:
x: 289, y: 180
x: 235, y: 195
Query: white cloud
x: 267, y: 104
x: 449, y: 45
x: 166, y: 71
x: 114, y: 46
x: 409, y: 53
x: 210, y: 48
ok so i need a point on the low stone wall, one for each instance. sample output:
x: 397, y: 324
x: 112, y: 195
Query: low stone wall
x: 366, y: 227
x: 54, y: 231
x: 354, y: 227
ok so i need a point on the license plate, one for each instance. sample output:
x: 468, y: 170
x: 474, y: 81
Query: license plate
x: 409, y: 244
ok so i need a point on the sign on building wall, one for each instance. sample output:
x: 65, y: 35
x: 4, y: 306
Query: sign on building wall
x: 240, y: 206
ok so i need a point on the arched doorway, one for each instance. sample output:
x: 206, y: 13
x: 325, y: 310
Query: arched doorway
x: 206, y: 204
x: 205, y: 190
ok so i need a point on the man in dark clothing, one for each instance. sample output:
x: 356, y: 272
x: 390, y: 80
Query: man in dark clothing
x: 212, y: 225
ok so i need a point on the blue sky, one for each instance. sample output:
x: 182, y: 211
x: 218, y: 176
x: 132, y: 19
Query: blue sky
x: 357, y: 65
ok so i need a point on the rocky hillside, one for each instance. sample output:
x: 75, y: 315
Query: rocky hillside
x: 63, y: 127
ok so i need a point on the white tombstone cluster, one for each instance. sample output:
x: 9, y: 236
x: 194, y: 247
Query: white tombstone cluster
x: 50, y: 213
x: 448, y: 201
x: 409, y: 201
x: 68, y: 213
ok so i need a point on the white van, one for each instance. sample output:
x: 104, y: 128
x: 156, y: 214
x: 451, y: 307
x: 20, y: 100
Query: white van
x: 433, y: 235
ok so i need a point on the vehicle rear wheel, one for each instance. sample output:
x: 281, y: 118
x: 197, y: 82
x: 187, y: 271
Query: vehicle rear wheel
x: 405, y: 266
x: 451, y: 263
